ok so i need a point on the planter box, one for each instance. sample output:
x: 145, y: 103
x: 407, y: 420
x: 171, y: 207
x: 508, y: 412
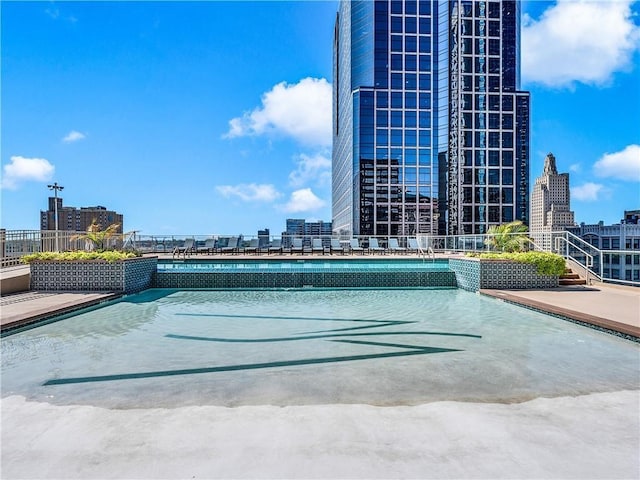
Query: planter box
x: 474, y: 274
x: 126, y: 276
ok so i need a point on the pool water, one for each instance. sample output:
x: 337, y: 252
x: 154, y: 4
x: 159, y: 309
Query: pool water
x: 167, y: 348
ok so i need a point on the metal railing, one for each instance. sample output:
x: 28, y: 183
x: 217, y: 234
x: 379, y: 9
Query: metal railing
x: 617, y: 266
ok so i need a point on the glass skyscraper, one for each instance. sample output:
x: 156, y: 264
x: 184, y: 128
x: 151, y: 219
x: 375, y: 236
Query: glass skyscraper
x: 431, y: 132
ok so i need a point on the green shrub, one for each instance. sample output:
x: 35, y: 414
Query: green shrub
x: 108, y: 255
x: 546, y: 263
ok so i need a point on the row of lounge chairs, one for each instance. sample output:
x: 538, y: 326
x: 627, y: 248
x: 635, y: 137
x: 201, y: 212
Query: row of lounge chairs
x: 318, y: 246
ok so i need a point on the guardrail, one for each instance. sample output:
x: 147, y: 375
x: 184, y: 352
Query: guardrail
x: 617, y: 266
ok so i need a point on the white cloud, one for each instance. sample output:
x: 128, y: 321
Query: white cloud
x: 575, y: 167
x: 73, y: 136
x: 316, y: 168
x: 579, y: 41
x: 624, y: 165
x: 250, y: 192
x: 588, y: 192
x: 303, y: 200
x: 23, y: 169
x: 301, y: 111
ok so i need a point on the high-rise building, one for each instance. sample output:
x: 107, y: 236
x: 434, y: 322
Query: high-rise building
x: 550, y: 204
x: 78, y: 220
x: 431, y: 131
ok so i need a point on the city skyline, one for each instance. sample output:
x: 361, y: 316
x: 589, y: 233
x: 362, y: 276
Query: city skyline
x: 215, y: 117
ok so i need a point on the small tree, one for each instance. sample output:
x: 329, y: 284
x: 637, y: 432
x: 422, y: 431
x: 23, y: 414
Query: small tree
x: 98, y: 237
x: 508, y: 237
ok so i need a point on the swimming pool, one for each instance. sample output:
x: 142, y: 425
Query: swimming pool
x: 167, y: 348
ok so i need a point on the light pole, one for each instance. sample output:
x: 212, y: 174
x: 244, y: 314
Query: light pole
x: 55, y: 187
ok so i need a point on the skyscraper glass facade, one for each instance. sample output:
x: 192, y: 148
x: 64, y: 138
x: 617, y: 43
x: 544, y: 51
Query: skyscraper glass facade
x: 430, y: 130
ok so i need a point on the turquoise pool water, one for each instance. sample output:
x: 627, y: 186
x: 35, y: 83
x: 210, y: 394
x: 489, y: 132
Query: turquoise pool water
x: 167, y: 348
x: 306, y: 265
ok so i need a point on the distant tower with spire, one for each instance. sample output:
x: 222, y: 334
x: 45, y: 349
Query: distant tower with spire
x: 550, y: 204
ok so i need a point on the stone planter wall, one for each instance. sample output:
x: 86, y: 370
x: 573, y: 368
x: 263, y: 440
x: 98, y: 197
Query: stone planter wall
x: 474, y: 274
x: 126, y: 276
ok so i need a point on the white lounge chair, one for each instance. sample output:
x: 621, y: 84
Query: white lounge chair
x: 208, y: 247
x: 337, y: 246
x: 296, y: 246
x: 355, y: 246
x: 187, y: 248
x: 374, y: 246
x: 394, y: 247
x: 232, y: 246
x: 316, y: 246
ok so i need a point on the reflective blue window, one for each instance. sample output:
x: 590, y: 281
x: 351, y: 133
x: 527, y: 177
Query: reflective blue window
x: 396, y: 81
x: 410, y: 25
x: 425, y: 138
x: 425, y: 7
x: 494, y: 121
x: 382, y: 137
x: 396, y: 99
x: 396, y: 137
x: 396, y: 43
x: 396, y: 61
x: 507, y: 214
x: 494, y: 158
x: 507, y: 158
x: 424, y: 81
x: 410, y: 156
x: 396, y: 24
x: 410, y: 100
x: 396, y: 118
x: 425, y: 26
x: 425, y: 100
x: 425, y: 44
x: 507, y: 140
x: 411, y: 7
x: 396, y: 6
x: 410, y: 81
x: 410, y: 119
x: 382, y: 118
x: 494, y: 139
x: 507, y: 176
x: 425, y: 63
x: 382, y: 99
x: 424, y: 119
x: 507, y: 195
x: 494, y: 176
x: 410, y: 63
x: 410, y: 43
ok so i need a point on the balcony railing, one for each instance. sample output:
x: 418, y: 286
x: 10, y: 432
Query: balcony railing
x: 618, y: 266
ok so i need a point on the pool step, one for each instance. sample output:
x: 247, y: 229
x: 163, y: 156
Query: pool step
x: 570, y: 278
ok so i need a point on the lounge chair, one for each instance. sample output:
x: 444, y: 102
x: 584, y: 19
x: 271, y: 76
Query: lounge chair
x: 336, y: 246
x: 316, y: 246
x: 232, y: 246
x: 208, y: 247
x: 374, y: 246
x: 394, y: 247
x: 187, y: 248
x: 296, y: 246
x: 275, y: 247
x: 355, y: 246
x: 413, y: 246
x: 254, y: 245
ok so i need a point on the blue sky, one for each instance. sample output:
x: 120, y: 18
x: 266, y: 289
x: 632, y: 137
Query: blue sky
x: 215, y: 117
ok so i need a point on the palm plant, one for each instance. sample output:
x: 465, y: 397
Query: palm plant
x: 508, y: 237
x: 96, y: 236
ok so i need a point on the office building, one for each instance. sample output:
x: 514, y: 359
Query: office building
x: 78, y: 220
x: 430, y: 129
x: 301, y: 228
x: 620, y: 245
x: 550, y: 204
